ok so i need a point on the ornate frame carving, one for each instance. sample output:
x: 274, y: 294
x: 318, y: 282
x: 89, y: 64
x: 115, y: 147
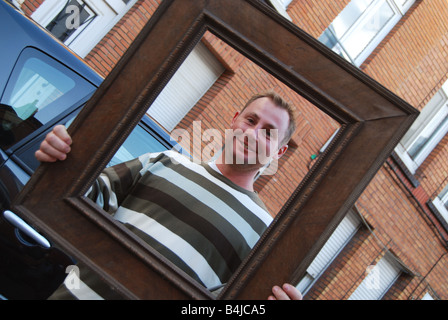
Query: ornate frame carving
x: 372, y: 122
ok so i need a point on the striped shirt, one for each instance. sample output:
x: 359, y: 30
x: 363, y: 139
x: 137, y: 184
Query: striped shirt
x: 198, y: 219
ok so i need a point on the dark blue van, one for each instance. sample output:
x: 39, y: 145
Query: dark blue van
x: 42, y: 83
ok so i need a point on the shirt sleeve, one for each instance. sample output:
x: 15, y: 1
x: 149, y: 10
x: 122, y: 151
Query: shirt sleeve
x: 114, y: 184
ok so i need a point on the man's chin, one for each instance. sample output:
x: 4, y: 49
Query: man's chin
x: 245, y: 157
x: 247, y: 163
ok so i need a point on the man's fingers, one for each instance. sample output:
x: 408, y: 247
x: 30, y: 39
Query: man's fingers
x: 42, y: 157
x: 61, y: 132
x: 279, y: 294
x: 55, y: 142
x: 55, y: 146
x: 286, y: 292
x: 292, y: 292
x: 52, y: 151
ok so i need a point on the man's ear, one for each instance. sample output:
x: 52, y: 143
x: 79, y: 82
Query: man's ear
x: 281, y: 151
x: 234, y: 117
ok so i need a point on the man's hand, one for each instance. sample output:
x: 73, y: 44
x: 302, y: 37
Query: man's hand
x: 286, y: 292
x: 55, y: 146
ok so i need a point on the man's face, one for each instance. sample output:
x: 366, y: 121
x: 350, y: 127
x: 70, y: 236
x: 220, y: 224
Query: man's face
x: 258, y: 131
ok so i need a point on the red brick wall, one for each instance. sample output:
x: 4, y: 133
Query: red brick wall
x: 315, y: 16
x: 29, y: 6
x: 433, y: 174
x: 109, y: 50
x: 412, y: 61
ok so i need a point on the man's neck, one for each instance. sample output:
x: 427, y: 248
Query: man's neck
x: 241, y: 175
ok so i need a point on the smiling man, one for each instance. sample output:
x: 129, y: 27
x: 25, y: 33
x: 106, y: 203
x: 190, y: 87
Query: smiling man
x: 259, y: 134
x: 203, y: 217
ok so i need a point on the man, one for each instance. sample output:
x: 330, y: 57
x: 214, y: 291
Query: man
x: 205, y: 218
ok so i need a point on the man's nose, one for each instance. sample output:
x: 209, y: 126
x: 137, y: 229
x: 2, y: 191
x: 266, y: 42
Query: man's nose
x: 253, y: 133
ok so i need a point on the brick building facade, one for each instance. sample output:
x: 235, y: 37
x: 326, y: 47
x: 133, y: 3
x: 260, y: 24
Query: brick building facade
x: 399, y: 225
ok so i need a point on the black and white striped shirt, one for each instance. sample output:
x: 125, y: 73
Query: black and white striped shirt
x: 197, y: 218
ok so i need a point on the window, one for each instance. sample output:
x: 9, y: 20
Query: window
x: 441, y: 203
x: 426, y: 132
x: 37, y: 85
x: 141, y: 140
x: 361, y: 26
x: 80, y: 24
x: 281, y: 6
x: 147, y: 136
x: 378, y: 280
x: 428, y: 296
x: 72, y: 17
x: 340, y: 237
x: 38, y: 90
x: 190, y: 82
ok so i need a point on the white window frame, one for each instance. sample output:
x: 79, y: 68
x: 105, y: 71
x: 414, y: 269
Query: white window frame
x: 440, y: 203
x: 428, y: 296
x: 399, y: 8
x: 433, y: 118
x: 338, y: 240
x: 192, y: 80
x: 108, y: 13
x: 380, y: 278
x: 281, y: 6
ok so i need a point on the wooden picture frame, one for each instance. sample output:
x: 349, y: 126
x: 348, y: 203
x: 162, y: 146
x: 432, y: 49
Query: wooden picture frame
x: 372, y: 122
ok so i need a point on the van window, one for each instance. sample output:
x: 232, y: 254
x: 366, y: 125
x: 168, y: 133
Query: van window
x: 38, y: 90
x: 38, y: 84
x: 138, y: 142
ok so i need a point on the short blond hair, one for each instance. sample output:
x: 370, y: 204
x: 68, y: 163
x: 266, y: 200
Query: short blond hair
x: 280, y: 102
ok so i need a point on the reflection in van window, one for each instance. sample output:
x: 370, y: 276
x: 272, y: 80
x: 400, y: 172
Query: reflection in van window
x: 38, y: 85
x: 137, y: 143
x: 39, y: 90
